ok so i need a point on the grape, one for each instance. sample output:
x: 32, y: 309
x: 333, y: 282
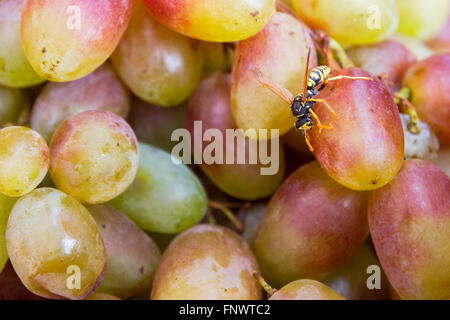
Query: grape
x: 443, y: 159
x: 279, y: 51
x: 132, y: 257
x: 213, y: 20
x: 15, y: 70
x: 350, y: 280
x: 24, y: 160
x: 6, y: 205
x: 296, y: 142
x: 429, y: 81
x: 11, y: 288
x: 306, y: 290
x: 101, y: 296
x: 351, y: 22
x: 419, y: 49
x: 100, y: 90
x: 217, y: 56
x: 50, y: 236
x: 165, y: 197
x: 423, y: 145
x: 207, y: 262
x: 409, y: 222
x: 94, y: 156
x: 158, y: 65
x: 312, y: 225
x: 12, y: 103
x: 210, y: 104
x: 388, y: 59
x: 422, y: 19
x: 364, y: 150
x: 154, y: 125
x: 65, y: 40
x: 441, y: 42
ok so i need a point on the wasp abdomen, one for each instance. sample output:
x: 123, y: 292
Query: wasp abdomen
x: 318, y: 76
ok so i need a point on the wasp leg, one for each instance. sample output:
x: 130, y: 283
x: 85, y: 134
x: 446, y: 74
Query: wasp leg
x: 266, y: 82
x: 319, y: 124
x: 327, y: 105
x: 307, y: 141
x: 346, y: 77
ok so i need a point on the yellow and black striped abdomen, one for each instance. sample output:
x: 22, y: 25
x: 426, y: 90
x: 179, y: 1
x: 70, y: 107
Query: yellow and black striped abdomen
x: 318, y: 76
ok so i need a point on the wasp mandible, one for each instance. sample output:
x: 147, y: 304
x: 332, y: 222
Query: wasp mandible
x: 302, y: 105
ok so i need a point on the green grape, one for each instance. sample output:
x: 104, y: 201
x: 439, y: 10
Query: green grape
x: 165, y: 197
x: 12, y: 103
x: 94, y: 156
x: 100, y: 90
x: 24, y: 160
x: 160, y: 66
x: 422, y: 19
x: 132, y: 257
x: 207, y: 262
x: 6, y: 205
x: 65, y: 40
x: 15, y: 70
x: 213, y: 20
x: 51, y: 236
x: 306, y: 289
x: 352, y: 22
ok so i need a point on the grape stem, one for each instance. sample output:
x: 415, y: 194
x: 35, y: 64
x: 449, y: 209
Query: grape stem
x: 402, y: 98
x: 227, y: 212
x: 267, y: 288
x: 331, y: 50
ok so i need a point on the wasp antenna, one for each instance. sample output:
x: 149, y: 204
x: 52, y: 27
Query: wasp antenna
x: 305, y: 81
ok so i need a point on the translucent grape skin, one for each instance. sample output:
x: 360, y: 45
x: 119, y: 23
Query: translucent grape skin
x: 351, y: 22
x: 306, y: 289
x: 279, y: 51
x: 132, y: 257
x: 212, y: 20
x: 154, y: 125
x: 12, y: 103
x: 418, y: 48
x: 164, y: 197
x: 100, y: 90
x: 388, y: 59
x: 217, y: 56
x: 48, y: 233
x: 160, y: 66
x: 409, y: 222
x: 210, y: 104
x: 24, y: 160
x: 364, y: 149
x: 76, y: 40
x: 443, y: 159
x: 6, y: 204
x: 15, y: 70
x: 429, y: 81
x: 350, y: 280
x: 207, y: 262
x: 422, y: 19
x: 94, y: 156
x: 101, y: 296
x: 312, y: 225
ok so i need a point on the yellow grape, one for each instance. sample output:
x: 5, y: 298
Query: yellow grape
x: 54, y: 245
x: 213, y: 20
x: 24, y: 160
x: 422, y: 19
x: 353, y: 22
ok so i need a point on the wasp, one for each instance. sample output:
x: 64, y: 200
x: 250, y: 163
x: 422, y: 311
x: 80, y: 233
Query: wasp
x: 302, y: 105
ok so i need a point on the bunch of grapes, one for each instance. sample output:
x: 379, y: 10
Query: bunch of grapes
x: 317, y: 158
